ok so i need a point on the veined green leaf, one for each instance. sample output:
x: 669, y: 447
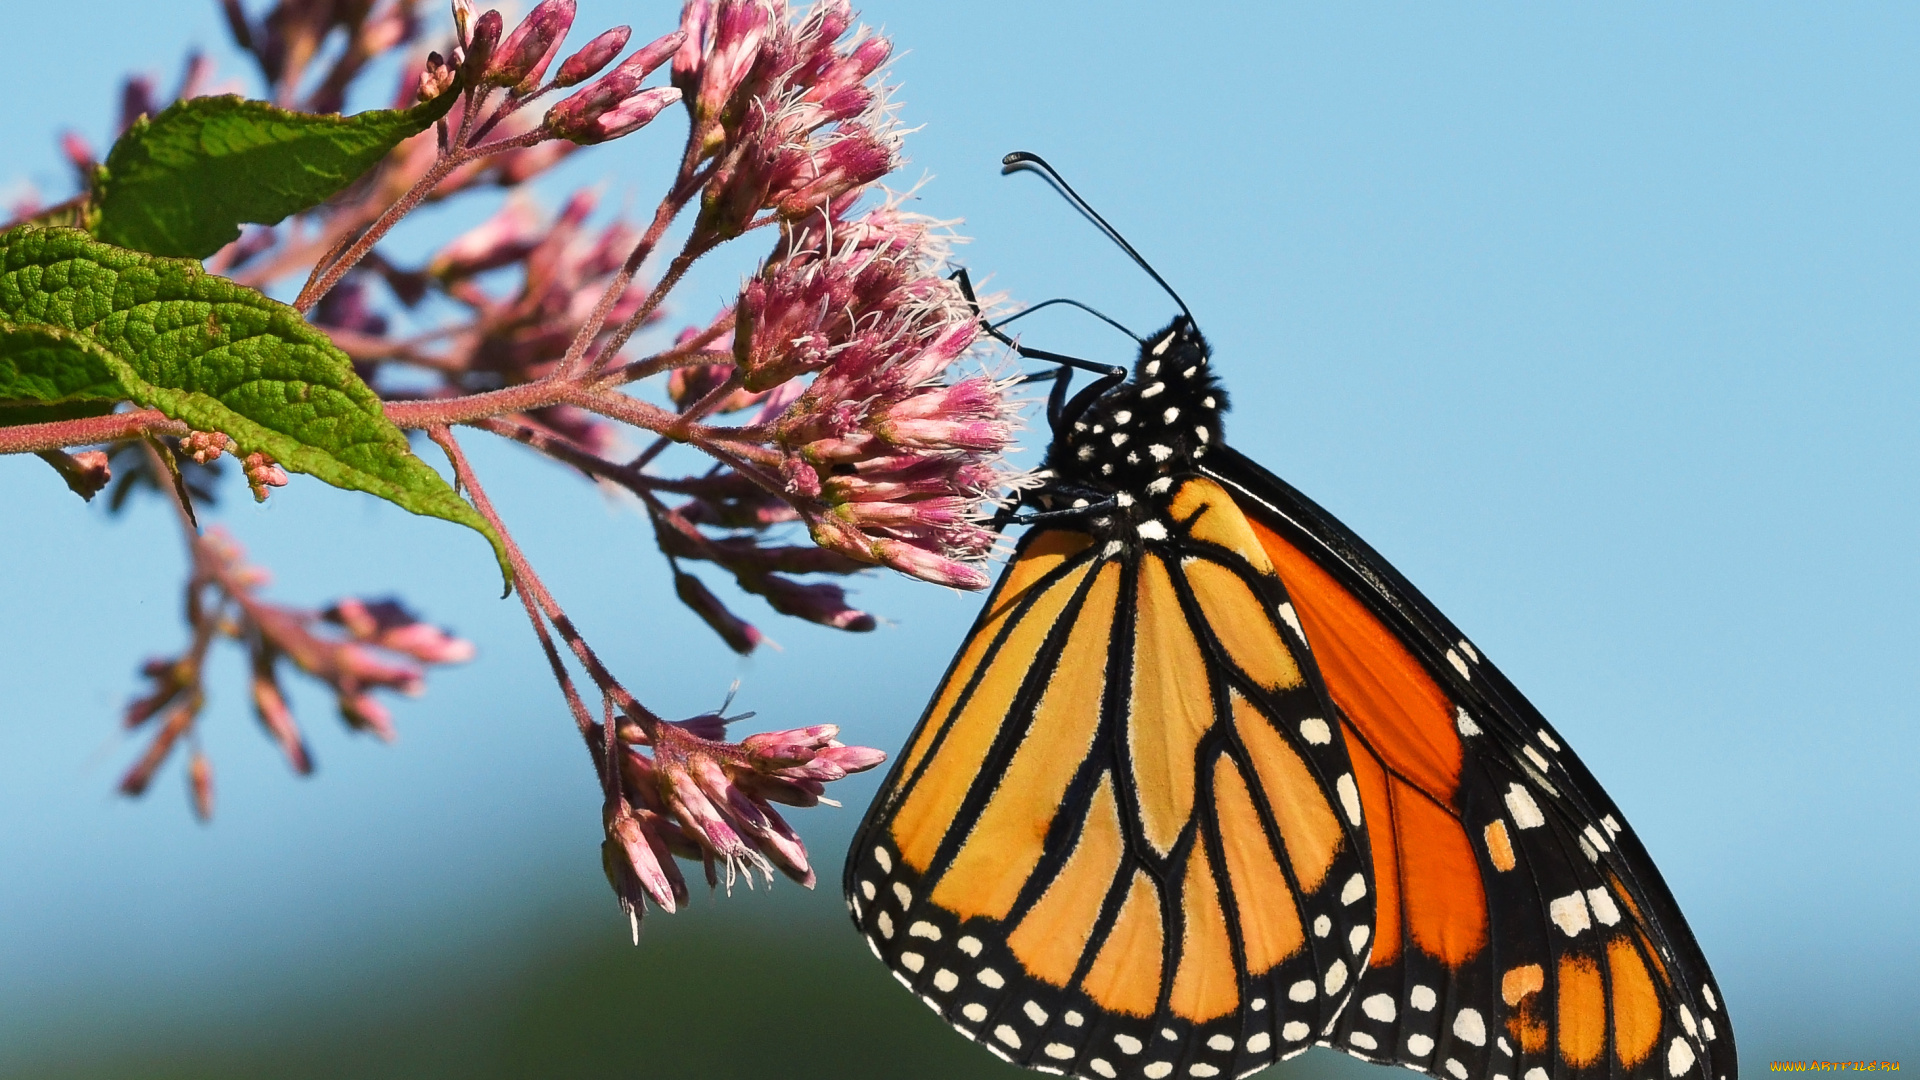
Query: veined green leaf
x: 86, y: 318
x: 182, y: 183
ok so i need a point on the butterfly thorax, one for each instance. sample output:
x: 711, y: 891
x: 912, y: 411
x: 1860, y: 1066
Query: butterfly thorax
x: 1119, y: 456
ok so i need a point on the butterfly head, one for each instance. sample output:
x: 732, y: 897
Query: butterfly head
x: 1157, y: 424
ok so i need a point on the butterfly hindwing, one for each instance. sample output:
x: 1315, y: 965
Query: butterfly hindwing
x: 1117, y: 844
x: 1524, y: 932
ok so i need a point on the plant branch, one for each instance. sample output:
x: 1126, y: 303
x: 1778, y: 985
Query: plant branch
x: 32, y: 438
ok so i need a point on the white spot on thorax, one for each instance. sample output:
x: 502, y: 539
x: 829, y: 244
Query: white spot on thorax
x: 1203, y: 435
x: 1160, y: 486
x: 1119, y: 438
x: 1208, y: 402
x: 1114, y: 547
x: 1122, y: 499
x: 1153, y: 390
x: 1170, y: 416
x: 1086, y: 452
x: 1159, y: 452
x: 1152, y: 530
x: 1160, y: 349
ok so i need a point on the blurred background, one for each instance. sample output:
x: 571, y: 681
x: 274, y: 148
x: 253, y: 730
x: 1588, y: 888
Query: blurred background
x: 1599, y: 322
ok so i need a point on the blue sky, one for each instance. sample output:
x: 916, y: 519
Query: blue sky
x: 1599, y: 322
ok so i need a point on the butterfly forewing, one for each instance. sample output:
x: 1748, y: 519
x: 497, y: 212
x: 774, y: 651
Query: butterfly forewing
x: 1523, y: 931
x: 1118, y: 844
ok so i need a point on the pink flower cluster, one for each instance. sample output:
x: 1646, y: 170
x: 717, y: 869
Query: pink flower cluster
x: 784, y: 106
x: 887, y: 460
x: 381, y: 647
x: 701, y: 798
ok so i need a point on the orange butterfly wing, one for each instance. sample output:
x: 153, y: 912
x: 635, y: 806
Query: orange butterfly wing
x: 1125, y: 839
x: 1521, y: 929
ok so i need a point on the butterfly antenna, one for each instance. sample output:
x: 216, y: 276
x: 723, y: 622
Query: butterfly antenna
x: 1115, y: 323
x: 1021, y: 159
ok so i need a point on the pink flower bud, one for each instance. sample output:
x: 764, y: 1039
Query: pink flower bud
x: 200, y: 785
x: 823, y: 603
x: 480, y: 48
x: 650, y: 56
x: 522, y: 58
x: 462, y: 19
x: 263, y: 473
x: 363, y: 713
x: 270, y: 705
x: 739, y: 634
x: 927, y: 565
x: 596, y: 54
x: 633, y: 114
x: 437, y: 77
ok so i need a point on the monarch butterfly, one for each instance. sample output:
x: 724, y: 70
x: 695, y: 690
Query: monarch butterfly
x: 1209, y: 783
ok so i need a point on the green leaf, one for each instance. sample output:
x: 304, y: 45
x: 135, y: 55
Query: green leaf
x: 206, y: 351
x: 181, y: 183
x: 45, y: 365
